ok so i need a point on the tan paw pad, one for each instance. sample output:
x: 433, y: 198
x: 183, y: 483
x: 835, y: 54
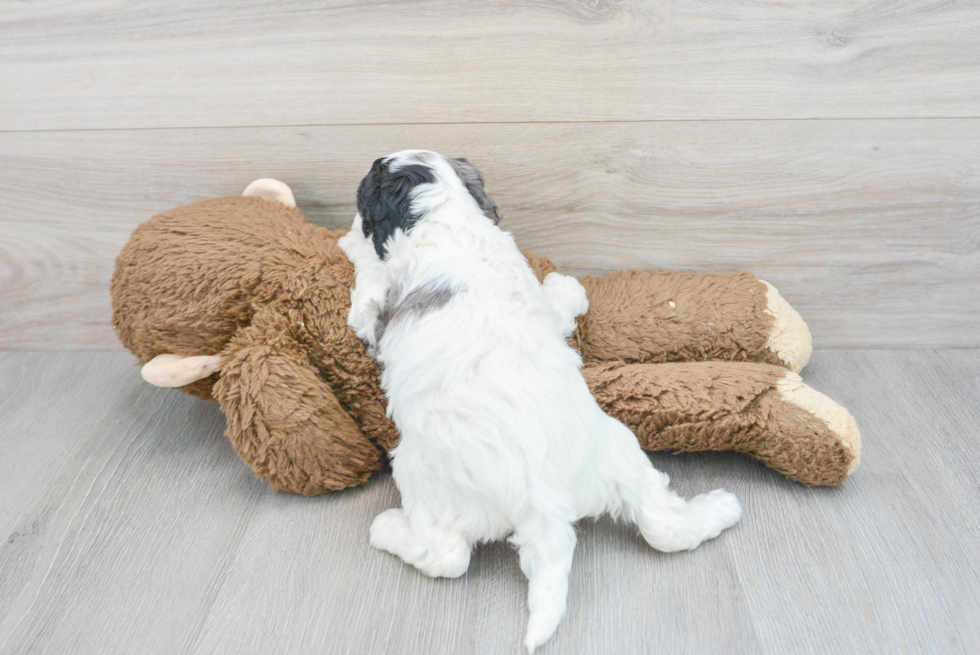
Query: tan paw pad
x: 793, y: 390
x: 790, y: 337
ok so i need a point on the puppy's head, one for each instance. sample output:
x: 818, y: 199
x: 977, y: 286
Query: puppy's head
x: 401, y: 189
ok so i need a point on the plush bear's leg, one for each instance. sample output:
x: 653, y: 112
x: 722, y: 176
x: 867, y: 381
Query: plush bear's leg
x: 667, y: 316
x: 283, y: 419
x: 761, y: 410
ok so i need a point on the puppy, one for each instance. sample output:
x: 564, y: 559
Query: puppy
x: 500, y: 436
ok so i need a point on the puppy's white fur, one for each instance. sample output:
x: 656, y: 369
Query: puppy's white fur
x: 500, y: 436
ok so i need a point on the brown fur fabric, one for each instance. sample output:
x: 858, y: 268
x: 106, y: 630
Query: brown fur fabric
x: 686, y: 407
x: 251, y: 279
x: 667, y: 316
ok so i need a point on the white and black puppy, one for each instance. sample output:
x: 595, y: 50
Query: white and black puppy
x: 500, y: 436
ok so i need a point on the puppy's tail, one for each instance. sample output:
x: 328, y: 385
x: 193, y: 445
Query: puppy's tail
x: 670, y: 523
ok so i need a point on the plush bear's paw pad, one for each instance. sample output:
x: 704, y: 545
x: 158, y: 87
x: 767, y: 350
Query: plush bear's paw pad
x: 793, y: 390
x: 790, y: 337
x: 175, y: 371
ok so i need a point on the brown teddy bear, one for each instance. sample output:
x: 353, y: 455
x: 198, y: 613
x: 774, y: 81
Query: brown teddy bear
x: 241, y: 300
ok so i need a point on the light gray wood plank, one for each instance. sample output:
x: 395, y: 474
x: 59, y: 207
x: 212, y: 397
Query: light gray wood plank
x: 141, y: 64
x: 131, y: 526
x: 870, y: 228
x: 391, y: 608
x: 885, y: 563
x: 121, y: 507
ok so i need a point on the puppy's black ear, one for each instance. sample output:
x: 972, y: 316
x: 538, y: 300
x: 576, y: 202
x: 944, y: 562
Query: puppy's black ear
x: 473, y: 180
x: 384, y: 200
x: 367, y: 195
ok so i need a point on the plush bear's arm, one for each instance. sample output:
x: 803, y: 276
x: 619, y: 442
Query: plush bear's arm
x: 283, y: 419
x: 667, y: 316
x: 760, y: 410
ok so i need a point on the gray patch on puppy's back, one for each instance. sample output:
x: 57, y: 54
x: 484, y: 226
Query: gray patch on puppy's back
x: 417, y: 303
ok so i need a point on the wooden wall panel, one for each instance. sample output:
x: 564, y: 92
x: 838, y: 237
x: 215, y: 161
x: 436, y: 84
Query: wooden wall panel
x: 870, y: 228
x: 90, y: 64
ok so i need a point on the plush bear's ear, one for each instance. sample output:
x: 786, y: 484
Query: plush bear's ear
x: 271, y: 189
x: 473, y: 179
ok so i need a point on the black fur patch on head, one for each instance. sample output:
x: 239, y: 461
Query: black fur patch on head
x: 473, y: 180
x: 384, y: 200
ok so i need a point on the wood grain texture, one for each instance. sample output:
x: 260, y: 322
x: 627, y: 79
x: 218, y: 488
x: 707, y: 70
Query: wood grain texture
x: 129, y: 525
x: 94, y: 64
x: 871, y: 229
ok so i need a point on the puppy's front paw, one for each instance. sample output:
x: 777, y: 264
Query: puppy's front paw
x: 566, y: 293
x: 362, y: 315
x: 346, y: 245
x: 355, y: 245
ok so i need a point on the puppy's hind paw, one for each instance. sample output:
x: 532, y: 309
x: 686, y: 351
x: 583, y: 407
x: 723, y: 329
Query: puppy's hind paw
x: 715, y: 511
x: 682, y: 525
x: 390, y: 532
x: 449, y: 560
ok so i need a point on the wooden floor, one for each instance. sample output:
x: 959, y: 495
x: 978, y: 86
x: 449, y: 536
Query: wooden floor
x: 129, y: 525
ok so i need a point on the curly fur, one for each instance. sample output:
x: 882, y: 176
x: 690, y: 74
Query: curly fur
x: 500, y: 434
